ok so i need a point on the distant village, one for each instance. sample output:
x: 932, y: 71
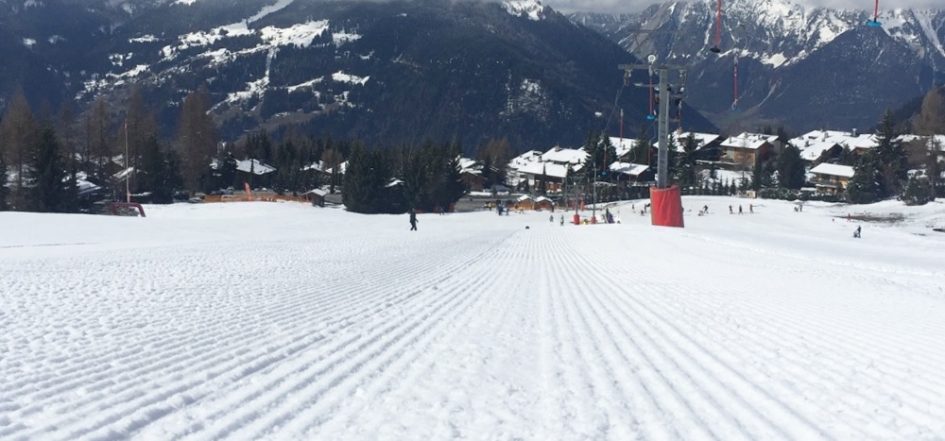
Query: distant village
x: 746, y: 164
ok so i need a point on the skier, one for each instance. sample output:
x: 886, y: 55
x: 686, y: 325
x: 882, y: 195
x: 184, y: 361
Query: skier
x: 730, y: 210
x: 562, y: 220
x: 751, y: 208
x: 551, y: 218
x: 705, y: 209
x: 739, y: 209
x: 857, y: 232
x: 413, y: 220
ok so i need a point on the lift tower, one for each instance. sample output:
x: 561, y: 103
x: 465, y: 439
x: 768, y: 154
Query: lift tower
x: 666, y: 205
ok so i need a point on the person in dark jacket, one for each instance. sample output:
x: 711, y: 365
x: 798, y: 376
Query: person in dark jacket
x: 413, y: 220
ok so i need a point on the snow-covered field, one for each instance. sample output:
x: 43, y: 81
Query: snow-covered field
x: 283, y: 321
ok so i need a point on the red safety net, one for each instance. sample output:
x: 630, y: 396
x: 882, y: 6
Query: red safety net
x: 666, y: 207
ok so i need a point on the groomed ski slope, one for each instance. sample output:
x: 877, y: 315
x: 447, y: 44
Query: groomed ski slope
x: 283, y: 321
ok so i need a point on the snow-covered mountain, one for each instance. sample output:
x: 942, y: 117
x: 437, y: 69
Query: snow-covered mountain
x: 777, y: 45
x: 386, y: 72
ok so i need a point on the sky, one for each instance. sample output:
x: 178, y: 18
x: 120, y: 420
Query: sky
x: 636, y: 5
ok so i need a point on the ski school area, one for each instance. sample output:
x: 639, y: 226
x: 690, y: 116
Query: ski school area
x: 263, y: 320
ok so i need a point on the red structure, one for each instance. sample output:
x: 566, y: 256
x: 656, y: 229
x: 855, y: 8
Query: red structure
x: 666, y: 207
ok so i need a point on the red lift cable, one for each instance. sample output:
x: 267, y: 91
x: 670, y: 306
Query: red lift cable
x: 718, y: 28
x: 735, y: 84
x: 874, y: 23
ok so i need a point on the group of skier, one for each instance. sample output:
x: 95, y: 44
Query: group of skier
x: 609, y: 217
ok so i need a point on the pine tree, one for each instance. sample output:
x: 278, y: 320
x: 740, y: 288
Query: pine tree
x: 66, y: 132
x: 686, y: 164
x: 50, y: 191
x: 933, y: 168
x: 931, y: 119
x: 332, y: 159
x: 918, y: 190
x: 495, y: 156
x: 17, y: 140
x: 365, y: 181
x: 4, y: 190
x: 99, y: 148
x: 790, y: 168
x: 640, y: 153
x: 864, y: 187
x: 891, y: 157
x: 453, y: 180
x: 761, y: 175
x: 196, y: 138
x: 158, y: 171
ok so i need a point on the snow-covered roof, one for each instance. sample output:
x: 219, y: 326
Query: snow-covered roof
x: 938, y: 141
x: 679, y: 139
x: 628, y: 168
x: 317, y: 166
x: 470, y: 166
x: 750, y: 141
x: 394, y: 182
x: 823, y: 135
x: 813, y: 151
x: 523, y: 197
x: 848, y: 140
x: 123, y: 174
x: 524, y: 159
x: 543, y: 199
x: 545, y: 168
x: 342, y: 168
x: 254, y: 166
x: 317, y: 192
x: 622, y: 145
x: 565, y: 156
x: 844, y: 171
x: 82, y: 183
x: 861, y: 142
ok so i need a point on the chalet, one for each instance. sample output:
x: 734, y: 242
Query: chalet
x: 316, y: 197
x: 747, y: 149
x: 544, y: 203
x: 547, y: 170
x: 817, y: 146
x: 707, y: 144
x: 631, y: 172
x: 525, y: 202
x: 254, y: 171
x: 470, y: 172
x: 623, y: 146
x: 514, y: 175
x: 918, y: 147
x: 563, y: 156
x: 831, y: 179
x: 549, y: 175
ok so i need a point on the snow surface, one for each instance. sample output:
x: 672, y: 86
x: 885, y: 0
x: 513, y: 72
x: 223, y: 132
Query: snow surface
x: 342, y: 77
x: 532, y: 9
x: 284, y: 321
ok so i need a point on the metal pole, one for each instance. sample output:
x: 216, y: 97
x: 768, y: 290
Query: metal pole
x: 662, y: 165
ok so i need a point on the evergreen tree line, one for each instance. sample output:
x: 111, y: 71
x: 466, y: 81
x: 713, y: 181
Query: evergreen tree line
x: 884, y: 171
x: 47, y: 157
x: 424, y: 178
